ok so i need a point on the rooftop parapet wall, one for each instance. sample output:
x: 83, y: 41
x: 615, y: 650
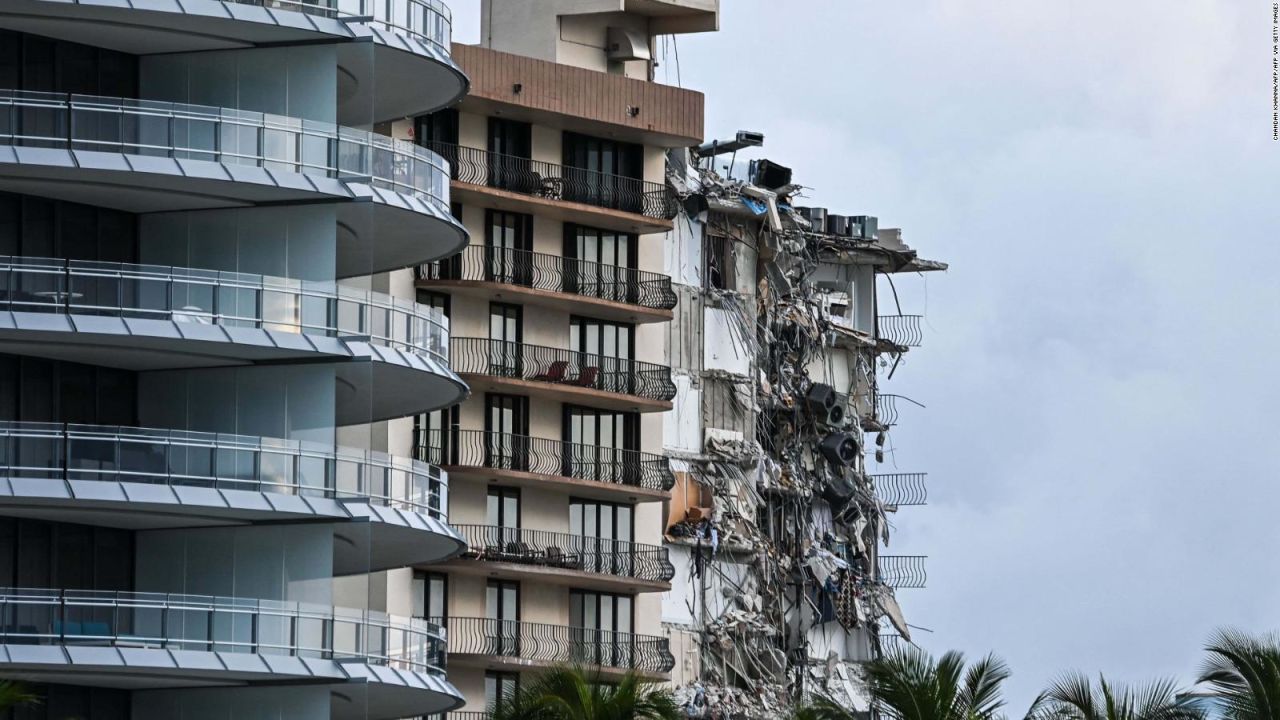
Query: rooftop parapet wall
x: 581, y: 100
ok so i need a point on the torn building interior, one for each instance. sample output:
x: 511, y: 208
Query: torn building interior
x: 778, y: 520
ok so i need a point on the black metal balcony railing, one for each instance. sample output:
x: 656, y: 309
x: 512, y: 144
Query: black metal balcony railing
x: 504, y: 451
x: 901, y: 489
x: 558, y: 366
x: 568, y: 552
x: 901, y: 330
x: 892, y: 643
x: 901, y: 571
x: 559, y: 644
x: 555, y: 273
x: 558, y: 182
x: 886, y: 412
x: 217, y: 624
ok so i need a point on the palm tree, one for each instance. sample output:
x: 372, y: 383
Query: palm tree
x: 571, y: 693
x: 910, y: 685
x: 1075, y: 697
x: 1244, y: 673
x: 14, y: 694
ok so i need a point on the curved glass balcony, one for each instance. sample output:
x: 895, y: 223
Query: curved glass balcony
x: 427, y: 20
x: 223, y: 135
x: 177, y: 458
x: 162, y: 621
x: 228, y: 299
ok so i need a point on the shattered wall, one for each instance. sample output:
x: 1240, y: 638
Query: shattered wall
x: 775, y: 528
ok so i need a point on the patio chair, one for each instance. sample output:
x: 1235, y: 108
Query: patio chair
x: 555, y: 373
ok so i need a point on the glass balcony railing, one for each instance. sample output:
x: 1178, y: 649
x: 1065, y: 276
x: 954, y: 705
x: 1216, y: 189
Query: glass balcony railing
x: 213, y: 297
x: 177, y: 458
x: 558, y: 182
x: 223, y: 135
x: 218, y: 624
x: 555, y: 273
x: 578, y: 461
x: 565, y: 551
x: 562, y: 367
x: 559, y: 644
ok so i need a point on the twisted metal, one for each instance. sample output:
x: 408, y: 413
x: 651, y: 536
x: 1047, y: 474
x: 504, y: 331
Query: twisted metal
x: 901, y: 489
x: 559, y: 366
x: 901, y: 571
x: 172, y: 621
x: 568, y: 552
x: 559, y: 644
x: 887, y: 409
x: 901, y: 330
x: 555, y: 273
x: 558, y: 182
x: 505, y: 451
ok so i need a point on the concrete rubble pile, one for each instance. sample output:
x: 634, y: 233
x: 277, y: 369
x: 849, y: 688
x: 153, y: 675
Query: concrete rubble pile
x: 779, y: 525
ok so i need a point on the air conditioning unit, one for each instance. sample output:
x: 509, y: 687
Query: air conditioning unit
x: 771, y: 175
x: 817, y: 217
x: 821, y: 398
x: 840, y: 448
x: 869, y: 226
x: 838, y: 225
x: 624, y: 44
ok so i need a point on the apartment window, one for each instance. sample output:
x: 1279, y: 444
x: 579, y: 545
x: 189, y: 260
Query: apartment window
x: 500, y: 687
x: 606, y: 531
x: 39, y: 227
x: 431, y: 596
x: 602, y: 624
x: 30, y: 62
x: 57, y: 702
x: 438, y: 300
x: 438, y: 435
x: 600, y: 442
x: 506, y: 333
x: 506, y: 424
x: 605, y: 353
x: 437, y: 127
x: 503, y: 508
x: 508, y: 246
x: 40, y: 554
x: 600, y: 263
x: 502, y: 609
x: 502, y: 516
x: 605, y: 173
x: 717, y: 262
x: 38, y: 390
x: 510, y: 147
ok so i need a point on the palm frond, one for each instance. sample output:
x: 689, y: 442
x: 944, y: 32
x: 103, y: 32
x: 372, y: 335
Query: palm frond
x: 1244, y: 673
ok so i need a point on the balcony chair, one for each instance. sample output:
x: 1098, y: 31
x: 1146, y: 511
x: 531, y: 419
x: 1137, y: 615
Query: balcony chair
x: 558, y: 558
x: 555, y: 373
x: 586, y: 379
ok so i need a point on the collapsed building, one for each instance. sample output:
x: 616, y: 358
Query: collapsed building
x: 778, y: 517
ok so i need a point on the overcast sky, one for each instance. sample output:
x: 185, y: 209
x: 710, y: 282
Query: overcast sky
x: 1101, y: 434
